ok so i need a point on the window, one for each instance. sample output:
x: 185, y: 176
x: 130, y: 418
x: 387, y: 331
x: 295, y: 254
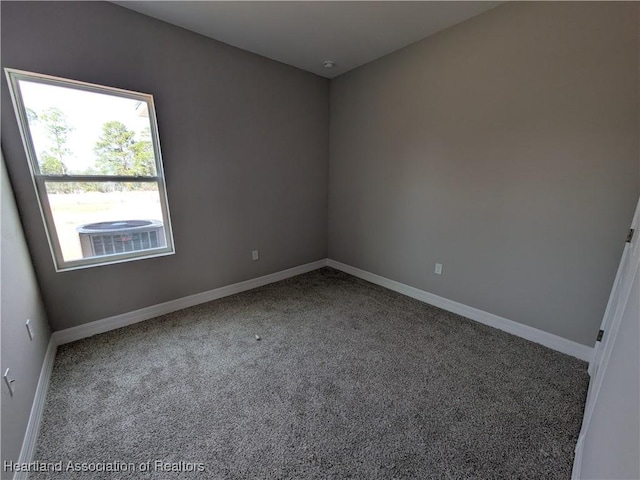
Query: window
x: 95, y: 160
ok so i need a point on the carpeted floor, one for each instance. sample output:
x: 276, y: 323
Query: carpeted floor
x: 349, y: 380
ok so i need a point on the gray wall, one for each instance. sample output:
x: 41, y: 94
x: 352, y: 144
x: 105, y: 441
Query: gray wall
x: 244, y: 141
x: 612, y: 441
x: 19, y: 301
x: 505, y: 148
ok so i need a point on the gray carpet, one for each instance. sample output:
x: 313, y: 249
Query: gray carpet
x: 349, y: 380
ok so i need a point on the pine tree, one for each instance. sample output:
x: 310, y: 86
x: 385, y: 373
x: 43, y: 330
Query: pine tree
x: 119, y: 153
x: 58, y: 130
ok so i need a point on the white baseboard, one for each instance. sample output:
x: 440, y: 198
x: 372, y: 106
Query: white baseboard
x: 577, y: 459
x: 550, y: 340
x: 100, y: 326
x: 82, y: 331
x: 37, y: 408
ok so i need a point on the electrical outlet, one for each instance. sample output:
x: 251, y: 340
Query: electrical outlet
x: 438, y: 269
x: 29, y: 329
x: 255, y: 255
x: 8, y: 381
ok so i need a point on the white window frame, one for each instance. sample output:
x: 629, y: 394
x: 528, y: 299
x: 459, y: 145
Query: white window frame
x: 39, y: 179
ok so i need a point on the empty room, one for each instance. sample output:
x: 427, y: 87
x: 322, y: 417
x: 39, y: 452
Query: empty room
x: 320, y: 239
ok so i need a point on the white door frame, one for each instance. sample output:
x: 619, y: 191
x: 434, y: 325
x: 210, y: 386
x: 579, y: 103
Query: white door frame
x: 618, y: 299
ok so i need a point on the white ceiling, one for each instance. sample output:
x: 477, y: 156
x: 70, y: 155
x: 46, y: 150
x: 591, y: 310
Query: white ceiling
x: 305, y: 33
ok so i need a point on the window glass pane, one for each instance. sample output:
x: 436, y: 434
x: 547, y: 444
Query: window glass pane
x: 95, y: 219
x: 79, y: 132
